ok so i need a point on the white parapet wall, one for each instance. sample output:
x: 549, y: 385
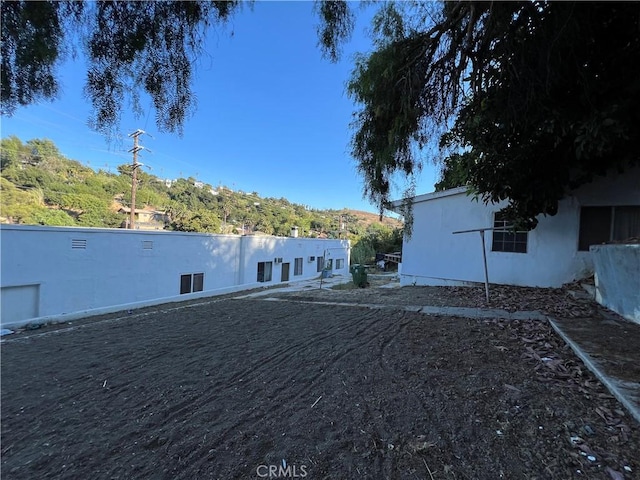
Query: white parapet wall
x: 617, y: 273
x: 56, y: 273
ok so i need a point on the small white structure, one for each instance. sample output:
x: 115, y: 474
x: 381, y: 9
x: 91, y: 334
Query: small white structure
x: 554, y: 253
x: 617, y: 275
x: 56, y: 272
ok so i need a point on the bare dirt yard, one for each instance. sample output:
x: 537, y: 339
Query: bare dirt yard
x: 251, y: 388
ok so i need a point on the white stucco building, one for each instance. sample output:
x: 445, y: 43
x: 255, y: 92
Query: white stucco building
x: 56, y: 272
x: 554, y: 253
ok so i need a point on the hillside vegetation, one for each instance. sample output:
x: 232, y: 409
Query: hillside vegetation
x: 40, y: 186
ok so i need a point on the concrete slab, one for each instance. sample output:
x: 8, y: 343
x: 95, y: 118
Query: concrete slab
x: 609, y: 348
x: 482, y: 313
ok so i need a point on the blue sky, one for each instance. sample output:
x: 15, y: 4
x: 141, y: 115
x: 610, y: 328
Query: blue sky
x: 272, y: 115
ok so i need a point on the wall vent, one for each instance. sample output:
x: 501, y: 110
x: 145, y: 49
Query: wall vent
x: 78, y: 244
x: 147, y: 244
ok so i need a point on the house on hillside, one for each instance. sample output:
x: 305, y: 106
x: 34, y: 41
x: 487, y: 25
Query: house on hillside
x: 146, y: 219
x: 554, y: 253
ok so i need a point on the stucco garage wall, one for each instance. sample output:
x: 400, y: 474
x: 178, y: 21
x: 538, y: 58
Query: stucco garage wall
x: 48, y: 271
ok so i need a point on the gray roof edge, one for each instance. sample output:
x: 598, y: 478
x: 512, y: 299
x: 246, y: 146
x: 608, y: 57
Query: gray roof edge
x: 396, y: 204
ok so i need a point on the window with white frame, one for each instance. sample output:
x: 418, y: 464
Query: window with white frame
x: 297, y: 266
x: 606, y: 224
x: 191, y: 282
x: 264, y: 271
x: 339, y: 263
x: 506, y: 240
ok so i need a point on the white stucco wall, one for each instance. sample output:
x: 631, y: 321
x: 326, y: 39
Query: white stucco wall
x: 617, y: 269
x: 434, y: 256
x: 43, y: 276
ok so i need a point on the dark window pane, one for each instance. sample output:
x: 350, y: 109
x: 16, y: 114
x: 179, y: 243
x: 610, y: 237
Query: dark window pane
x: 626, y: 223
x: 499, y: 220
x: 261, y: 271
x: 185, y: 284
x: 198, y: 282
x: 520, y: 247
x: 595, y: 226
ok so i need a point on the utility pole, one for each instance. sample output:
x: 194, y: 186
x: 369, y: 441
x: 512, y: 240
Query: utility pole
x: 134, y: 175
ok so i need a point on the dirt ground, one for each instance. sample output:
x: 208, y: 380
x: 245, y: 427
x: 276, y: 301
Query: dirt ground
x: 549, y: 301
x: 239, y: 389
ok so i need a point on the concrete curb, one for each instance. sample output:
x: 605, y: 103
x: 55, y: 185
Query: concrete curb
x: 465, y: 312
x: 611, y: 385
x: 482, y: 313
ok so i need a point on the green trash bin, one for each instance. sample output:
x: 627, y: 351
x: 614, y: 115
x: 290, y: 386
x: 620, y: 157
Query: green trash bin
x: 359, y: 273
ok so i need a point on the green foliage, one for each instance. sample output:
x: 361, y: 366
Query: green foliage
x: 29, y: 176
x: 37, y: 174
x: 363, y: 252
x: 455, y: 171
x: 56, y: 218
x: 197, y: 221
x: 49, y: 189
x: 99, y: 216
x: 130, y: 45
x: 17, y: 205
x: 43, y: 152
x: 12, y: 152
x: 32, y: 43
x: 545, y: 96
x: 337, y: 25
x: 186, y: 192
x: 390, y: 93
x: 377, y: 239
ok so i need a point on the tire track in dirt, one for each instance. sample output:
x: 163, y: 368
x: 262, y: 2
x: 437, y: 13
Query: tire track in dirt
x: 280, y: 356
x: 364, y: 330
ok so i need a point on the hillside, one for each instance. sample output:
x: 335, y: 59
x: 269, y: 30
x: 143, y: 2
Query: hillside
x: 367, y: 218
x: 41, y: 186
